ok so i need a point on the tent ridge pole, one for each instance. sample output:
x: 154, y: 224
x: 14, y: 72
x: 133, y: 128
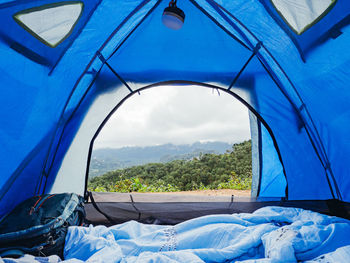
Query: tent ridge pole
x: 104, y: 61
x: 255, y: 50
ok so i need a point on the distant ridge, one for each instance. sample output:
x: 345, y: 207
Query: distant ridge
x: 108, y: 159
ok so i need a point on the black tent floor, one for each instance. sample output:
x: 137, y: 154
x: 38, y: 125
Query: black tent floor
x: 171, y: 209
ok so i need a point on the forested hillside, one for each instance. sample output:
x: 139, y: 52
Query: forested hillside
x: 108, y: 159
x: 232, y: 169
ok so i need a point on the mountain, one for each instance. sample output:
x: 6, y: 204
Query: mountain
x: 108, y: 159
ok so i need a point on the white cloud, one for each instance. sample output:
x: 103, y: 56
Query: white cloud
x: 177, y: 114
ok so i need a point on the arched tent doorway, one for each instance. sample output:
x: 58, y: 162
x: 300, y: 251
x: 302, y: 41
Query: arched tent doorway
x: 273, y: 184
x: 168, y: 125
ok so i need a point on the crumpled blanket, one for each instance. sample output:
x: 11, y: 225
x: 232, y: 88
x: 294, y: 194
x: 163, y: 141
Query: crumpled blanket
x: 269, y: 235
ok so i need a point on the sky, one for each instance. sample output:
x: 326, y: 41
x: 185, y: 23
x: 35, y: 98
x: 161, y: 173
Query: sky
x: 177, y: 115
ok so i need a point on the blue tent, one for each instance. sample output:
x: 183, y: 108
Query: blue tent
x: 66, y: 66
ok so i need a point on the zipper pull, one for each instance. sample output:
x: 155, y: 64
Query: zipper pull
x: 31, y: 210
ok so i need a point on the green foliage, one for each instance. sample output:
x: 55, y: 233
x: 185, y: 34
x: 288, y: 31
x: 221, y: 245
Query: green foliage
x: 236, y: 183
x: 136, y: 185
x: 231, y: 170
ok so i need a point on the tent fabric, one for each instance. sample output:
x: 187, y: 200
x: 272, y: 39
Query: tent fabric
x: 49, y: 96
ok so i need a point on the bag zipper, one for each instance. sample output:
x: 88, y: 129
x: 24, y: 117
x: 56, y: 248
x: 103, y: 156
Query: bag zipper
x: 39, y: 203
x: 44, y: 200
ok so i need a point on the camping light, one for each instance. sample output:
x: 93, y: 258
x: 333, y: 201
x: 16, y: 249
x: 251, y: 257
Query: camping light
x: 173, y: 17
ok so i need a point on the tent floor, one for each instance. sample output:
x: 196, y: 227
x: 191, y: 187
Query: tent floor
x: 172, y: 209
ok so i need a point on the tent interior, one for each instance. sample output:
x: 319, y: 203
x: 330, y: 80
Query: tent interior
x: 66, y: 67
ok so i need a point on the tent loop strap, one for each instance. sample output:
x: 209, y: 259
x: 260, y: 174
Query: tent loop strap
x: 101, y: 57
x: 134, y: 206
x: 89, y: 194
x: 257, y: 47
x: 217, y: 90
x: 302, y: 106
x: 92, y: 72
x: 255, y: 51
x: 301, y: 119
x: 328, y: 169
x: 104, y: 61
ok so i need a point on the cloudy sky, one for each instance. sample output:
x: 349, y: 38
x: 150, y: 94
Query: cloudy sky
x: 178, y: 115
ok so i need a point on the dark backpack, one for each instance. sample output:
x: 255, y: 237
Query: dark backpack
x: 39, y: 225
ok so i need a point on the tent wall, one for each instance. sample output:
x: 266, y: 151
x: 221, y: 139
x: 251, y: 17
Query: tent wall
x: 33, y: 105
x: 321, y: 82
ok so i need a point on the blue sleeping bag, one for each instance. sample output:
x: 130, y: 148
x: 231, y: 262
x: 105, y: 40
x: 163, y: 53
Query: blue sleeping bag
x: 271, y: 234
